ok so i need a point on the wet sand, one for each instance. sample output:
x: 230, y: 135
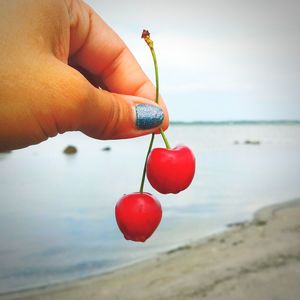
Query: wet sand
x: 252, y: 260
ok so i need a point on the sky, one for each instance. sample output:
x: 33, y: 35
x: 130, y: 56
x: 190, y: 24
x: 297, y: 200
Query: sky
x: 218, y: 59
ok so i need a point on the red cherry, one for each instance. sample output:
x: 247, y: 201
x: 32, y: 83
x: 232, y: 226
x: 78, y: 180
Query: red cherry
x: 171, y: 170
x: 138, y: 215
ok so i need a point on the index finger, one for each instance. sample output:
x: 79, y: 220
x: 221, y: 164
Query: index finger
x: 99, y: 50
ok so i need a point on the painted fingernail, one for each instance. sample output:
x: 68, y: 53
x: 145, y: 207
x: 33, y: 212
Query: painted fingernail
x: 148, y: 116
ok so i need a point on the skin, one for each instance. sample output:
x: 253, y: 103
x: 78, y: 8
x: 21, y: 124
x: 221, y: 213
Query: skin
x: 62, y: 68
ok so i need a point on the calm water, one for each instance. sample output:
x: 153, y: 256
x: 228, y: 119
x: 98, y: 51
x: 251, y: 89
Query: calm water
x: 57, y: 212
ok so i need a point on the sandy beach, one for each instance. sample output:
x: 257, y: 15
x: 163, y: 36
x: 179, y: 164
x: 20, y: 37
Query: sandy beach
x: 251, y: 260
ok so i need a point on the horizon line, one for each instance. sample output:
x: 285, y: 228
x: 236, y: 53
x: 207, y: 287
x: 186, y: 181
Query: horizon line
x: 279, y: 121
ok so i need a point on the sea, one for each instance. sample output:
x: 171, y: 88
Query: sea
x: 57, y: 221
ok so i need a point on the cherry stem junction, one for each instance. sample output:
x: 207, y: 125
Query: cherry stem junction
x: 149, y: 42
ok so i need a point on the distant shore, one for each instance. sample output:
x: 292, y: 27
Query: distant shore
x: 239, y: 122
x: 251, y: 260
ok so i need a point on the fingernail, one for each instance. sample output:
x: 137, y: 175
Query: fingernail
x: 148, y: 116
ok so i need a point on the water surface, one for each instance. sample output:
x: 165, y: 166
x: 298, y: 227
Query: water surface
x: 57, y: 212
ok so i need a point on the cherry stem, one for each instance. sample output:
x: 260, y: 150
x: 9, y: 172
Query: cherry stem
x: 145, y: 164
x: 149, y: 42
x: 156, y: 72
x: 165, y: 139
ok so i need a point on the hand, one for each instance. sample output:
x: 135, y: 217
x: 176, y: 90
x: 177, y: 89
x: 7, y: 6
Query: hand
x: 54, y: 55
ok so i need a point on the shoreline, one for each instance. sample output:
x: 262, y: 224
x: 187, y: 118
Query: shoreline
x: 261, y: 257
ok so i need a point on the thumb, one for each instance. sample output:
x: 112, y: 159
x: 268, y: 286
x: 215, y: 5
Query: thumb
x: 104, y: 115
x: 115, y: 116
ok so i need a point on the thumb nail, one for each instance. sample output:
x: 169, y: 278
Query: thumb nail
x: 148, y: 116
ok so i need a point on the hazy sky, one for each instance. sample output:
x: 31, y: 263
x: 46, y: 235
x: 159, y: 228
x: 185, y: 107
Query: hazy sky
x: 218, y: 60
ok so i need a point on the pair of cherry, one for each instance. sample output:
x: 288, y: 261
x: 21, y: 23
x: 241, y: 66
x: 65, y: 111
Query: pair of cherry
x: 168, y: 171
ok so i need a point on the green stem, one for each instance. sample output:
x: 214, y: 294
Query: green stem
x: 157, y: 91
x: 165, y: 139
x: 145, y: 165
x: 150, y: 44
x: 156, y: 74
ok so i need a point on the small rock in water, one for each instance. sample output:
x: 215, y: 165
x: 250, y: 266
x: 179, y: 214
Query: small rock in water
x: 237, y: 224
x: 106, y: 148
x: 249, y: 142
x: 70, y: 150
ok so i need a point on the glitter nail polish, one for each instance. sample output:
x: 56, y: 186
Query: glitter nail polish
x: 148, y: 116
